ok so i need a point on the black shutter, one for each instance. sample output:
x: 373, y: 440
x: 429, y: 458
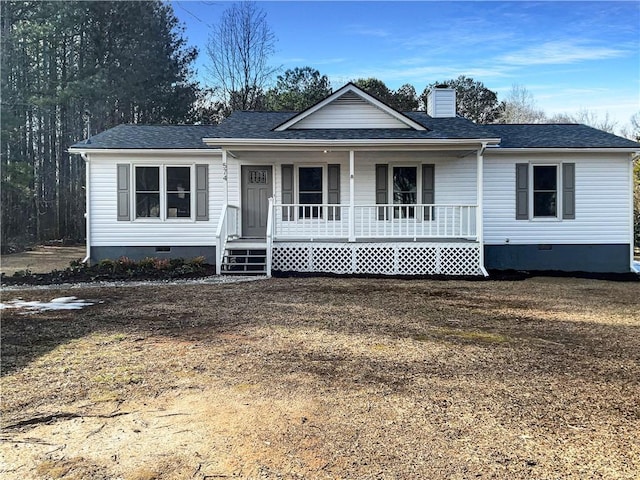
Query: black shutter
x: 428, y: 188
x: 202, y: 192
x: 287, y: 191
x: 382, y: 189
x: 123, y: 209
x: 333, y: 192
x: 522, y: 191
x: 569, y: 191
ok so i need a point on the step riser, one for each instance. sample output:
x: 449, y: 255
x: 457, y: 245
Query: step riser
x: 244, y: 261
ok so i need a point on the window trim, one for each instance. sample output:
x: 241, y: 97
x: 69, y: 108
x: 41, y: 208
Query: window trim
x: 296, y: 188
x: 558, y: 216
x: 416, y: 215
x: 164, y: 217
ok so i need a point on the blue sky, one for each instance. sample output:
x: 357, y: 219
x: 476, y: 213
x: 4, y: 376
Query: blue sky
x: 569, y: 55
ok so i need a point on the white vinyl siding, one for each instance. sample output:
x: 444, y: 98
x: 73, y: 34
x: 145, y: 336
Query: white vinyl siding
x: 441, y: 102
x: 106, y: 230
x: 349, y: 111
x: 601, y: 201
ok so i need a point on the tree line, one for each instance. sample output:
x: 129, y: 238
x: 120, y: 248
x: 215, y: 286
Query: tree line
x: 69, y: 70
x: 72, y: 69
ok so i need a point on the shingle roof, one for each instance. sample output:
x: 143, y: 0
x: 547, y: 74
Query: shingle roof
x: 556, y: 136
x: 150, y: 136
x: 260, y: 125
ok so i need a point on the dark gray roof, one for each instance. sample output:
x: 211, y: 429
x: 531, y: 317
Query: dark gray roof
x: 150, y: 136
x: 557, y: 136
x: 261, y: 125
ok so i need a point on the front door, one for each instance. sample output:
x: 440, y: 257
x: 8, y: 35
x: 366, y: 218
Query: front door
x: 256, y: 190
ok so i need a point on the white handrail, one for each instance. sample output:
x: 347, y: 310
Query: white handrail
x: 223, y: 232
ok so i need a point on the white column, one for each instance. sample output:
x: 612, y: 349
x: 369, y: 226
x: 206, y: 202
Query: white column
x: 352, y: 197
x: 479, y: 208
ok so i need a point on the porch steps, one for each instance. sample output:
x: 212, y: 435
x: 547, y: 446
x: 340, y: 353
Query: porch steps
x: 244, y: 257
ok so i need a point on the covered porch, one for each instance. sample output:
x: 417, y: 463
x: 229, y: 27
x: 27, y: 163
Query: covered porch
x: 388, y: 211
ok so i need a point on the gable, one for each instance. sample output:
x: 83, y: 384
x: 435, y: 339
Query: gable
x: 350, y: 108
x: 349, y: 111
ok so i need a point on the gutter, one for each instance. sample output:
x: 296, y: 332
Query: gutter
x: 480, y: 202
x: 499, y: 150
x: 147, y: 151
x: 347, y: 144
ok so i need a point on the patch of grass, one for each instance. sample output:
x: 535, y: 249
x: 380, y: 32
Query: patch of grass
x: 461, y: 334
x: 121, y: 376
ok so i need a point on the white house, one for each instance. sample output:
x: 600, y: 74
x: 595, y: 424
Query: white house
x: 352, y: 186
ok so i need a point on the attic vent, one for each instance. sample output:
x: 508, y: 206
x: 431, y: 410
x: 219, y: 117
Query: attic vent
x: 349, y: 98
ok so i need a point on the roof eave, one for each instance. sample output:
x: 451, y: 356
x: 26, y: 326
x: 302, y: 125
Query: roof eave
x: 498, y: 149
x: 346, y: 144
x: 145, y: 151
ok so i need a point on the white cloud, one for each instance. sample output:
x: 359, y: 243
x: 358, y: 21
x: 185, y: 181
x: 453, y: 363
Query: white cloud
x: 560, y: 52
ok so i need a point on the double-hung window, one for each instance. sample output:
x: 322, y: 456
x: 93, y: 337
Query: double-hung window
x: 405, y: 191
x: 545, y: 191
x: 178, y: 181
x: 147, y: 192
x: 310, y: 182
x: 162, y: 192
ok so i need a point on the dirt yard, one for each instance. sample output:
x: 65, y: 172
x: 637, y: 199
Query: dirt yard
x: 325, y: 378
x: 41, y: 259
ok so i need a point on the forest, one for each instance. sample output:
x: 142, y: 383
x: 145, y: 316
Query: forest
x: 69, y: 70
x: 72, y: 69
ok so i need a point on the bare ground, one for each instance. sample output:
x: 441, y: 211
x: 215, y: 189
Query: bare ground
x: 41, y: 259
x: 326, y: 378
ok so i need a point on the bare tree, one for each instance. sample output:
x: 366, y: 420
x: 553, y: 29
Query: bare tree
x: 586, y: 117
x: 239, y: 49
x: 520, y: 107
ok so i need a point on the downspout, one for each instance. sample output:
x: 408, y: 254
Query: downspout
x: 479, y: 212
x: 88, y: 203
x: 632, y: 238
x: 352, y: 196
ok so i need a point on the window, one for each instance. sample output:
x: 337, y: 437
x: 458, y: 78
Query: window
x: 405, y: 191
x: 545, y: 191
x: 147, y: 192
x: 178, y: 192
x: 163, y: 188
x: 310, y: 191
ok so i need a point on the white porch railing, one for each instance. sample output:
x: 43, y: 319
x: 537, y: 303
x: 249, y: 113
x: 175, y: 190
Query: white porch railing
x: 228, y: 227
x: 330, y: 221
x: 415, y: 221
x: 310, y: 222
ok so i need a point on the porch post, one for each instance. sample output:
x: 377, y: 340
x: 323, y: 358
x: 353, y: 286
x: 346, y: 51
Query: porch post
x: 479, y: 207
x: 352, y: 197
